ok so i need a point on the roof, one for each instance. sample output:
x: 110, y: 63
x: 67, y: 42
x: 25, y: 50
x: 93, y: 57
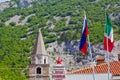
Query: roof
x: 100, y: 59
x: 39, y: 47
x: 87, y: 77
x: 101, y: 68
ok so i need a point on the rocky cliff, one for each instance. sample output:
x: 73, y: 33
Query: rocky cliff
x: 73, y: 61
x: 73, y: 49
x: 4, y: 5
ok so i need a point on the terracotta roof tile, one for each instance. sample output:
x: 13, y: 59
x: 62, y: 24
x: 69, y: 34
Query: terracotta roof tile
x: 102, y: 68
x: 100, y: 58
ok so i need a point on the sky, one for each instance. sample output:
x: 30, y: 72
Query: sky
x: 3, y: 0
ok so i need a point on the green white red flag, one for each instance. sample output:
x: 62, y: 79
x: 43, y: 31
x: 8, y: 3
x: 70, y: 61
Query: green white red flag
x: 108, y: 35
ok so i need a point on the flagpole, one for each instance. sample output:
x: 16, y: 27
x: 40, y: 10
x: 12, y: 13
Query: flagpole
x: 91, y: 55
x: 108, y: 63
x: 91, y: 59
x: 108, y: 58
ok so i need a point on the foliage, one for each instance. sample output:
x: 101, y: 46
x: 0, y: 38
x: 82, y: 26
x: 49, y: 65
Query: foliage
x: 16, y: 43
x: 12, y: 24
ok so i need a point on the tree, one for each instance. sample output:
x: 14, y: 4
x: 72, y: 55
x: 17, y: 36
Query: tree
x: 12, y: 24
x: 2, y: 24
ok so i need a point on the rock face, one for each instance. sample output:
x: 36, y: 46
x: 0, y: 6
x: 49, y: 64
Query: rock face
x: 21, y: 3
x: 29, y: 2
x: 4, y: 5
x: 73, y: 48
x: 72, y: 61
x: 17, y: 21
x: 24, y: 2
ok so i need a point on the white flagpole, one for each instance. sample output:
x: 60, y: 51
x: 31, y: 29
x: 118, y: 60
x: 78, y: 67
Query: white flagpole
x: 91, y: 59
x: 91, y: 55
x: 108, y: 58
x: 108, y: 63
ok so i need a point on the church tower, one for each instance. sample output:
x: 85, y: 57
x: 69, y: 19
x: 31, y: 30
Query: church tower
x: 39, y: 66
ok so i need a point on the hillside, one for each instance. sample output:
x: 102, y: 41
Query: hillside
x: 60, y: 22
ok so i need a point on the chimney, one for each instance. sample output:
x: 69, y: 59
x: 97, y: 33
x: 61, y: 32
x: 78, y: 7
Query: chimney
x: 100, y: 60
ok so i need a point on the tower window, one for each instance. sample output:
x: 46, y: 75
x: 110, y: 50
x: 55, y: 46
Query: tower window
x: 38, y: 70
x: 44, y: 61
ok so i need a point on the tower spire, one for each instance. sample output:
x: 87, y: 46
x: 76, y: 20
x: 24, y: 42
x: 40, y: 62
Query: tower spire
x: 39, y: 46
x: 39, y: 67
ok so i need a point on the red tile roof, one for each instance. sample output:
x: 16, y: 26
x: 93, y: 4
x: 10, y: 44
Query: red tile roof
x: 101, y: 68
x: 100, y: 58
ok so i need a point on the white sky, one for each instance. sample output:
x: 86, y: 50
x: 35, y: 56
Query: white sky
x: 3, y: 0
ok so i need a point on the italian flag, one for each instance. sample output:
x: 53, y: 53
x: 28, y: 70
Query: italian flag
x: 108, y: 35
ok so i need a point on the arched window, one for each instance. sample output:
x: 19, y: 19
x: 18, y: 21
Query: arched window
x: 44, y: 61
x: 38, y: 70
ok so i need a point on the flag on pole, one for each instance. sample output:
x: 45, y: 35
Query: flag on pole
x: 108, y: 35
x: 83, y: 41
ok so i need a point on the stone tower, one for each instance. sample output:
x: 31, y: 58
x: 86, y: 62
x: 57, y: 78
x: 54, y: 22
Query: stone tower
x: 39, y: 66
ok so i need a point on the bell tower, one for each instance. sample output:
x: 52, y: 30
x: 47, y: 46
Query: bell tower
x: 39, y: 66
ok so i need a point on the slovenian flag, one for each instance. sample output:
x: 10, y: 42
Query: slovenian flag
x: 83, y: 41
